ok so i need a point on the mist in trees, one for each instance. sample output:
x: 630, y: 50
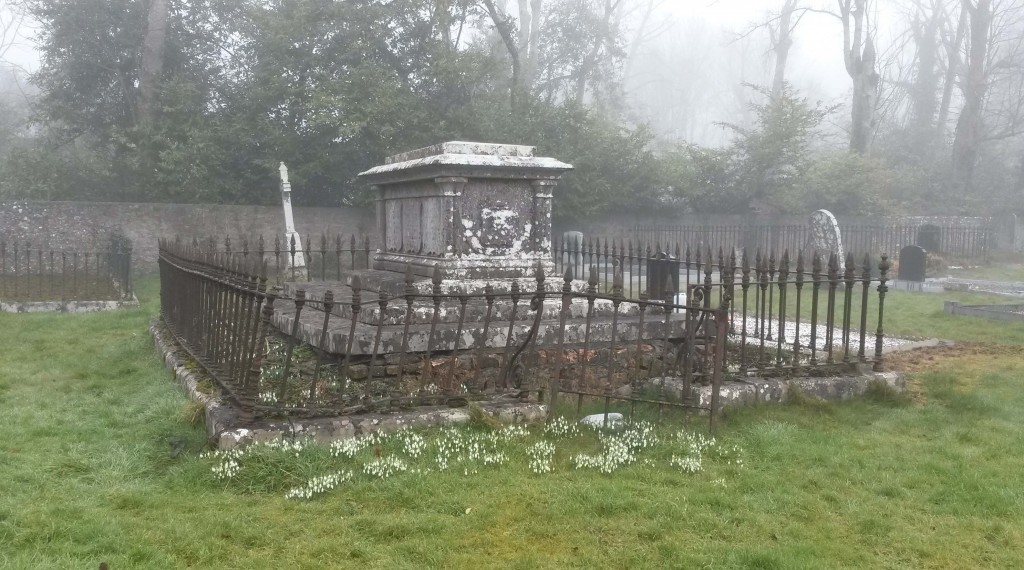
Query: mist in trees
x: 661, y: 109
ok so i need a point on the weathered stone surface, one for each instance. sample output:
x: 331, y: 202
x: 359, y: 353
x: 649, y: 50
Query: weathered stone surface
x: 759, y: 390
x: 473, y: 210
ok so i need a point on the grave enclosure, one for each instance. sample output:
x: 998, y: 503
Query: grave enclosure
x: 35, y: 277
x: 469, y: 298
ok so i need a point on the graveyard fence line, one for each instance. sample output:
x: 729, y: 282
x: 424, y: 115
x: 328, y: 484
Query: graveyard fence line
x: 33, y: 272
x: 966, y: 242
x: 642, y: 329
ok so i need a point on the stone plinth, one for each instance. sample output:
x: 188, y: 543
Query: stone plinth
x: 477, y: 211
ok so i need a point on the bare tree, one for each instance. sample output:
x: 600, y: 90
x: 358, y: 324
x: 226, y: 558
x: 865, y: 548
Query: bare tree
x: 504, y: 25
x: 780, y: 32
x: 602, y: 38
x: 970, y: 125
x: 953, y: 42
x: 860, y: 58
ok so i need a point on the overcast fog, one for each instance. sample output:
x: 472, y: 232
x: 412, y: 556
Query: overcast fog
x: 689, y: 65
x: 716, y: 106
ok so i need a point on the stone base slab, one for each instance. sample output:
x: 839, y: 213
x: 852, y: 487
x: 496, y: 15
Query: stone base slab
x: 759, y: 390
x: 67, y: 306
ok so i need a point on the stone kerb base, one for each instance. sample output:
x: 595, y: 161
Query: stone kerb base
x: 67, y: 306
x: 754, y: 391
x: 225, y: 430
x: 1009, y: 312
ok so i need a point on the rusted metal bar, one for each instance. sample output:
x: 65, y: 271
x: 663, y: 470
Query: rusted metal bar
x: 883, y: 276
x: 849, y: 281
x: 865, y: 292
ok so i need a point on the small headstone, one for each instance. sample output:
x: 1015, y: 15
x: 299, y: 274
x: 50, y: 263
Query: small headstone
x: 825, y: 236
x: 913, y: 260
x: 572, y: 254
x: 597, y: 420
x: 929, y: 236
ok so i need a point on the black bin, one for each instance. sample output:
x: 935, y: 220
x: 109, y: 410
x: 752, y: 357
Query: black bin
x: 662, y: 276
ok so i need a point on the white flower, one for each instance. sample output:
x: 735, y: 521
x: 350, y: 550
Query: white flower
x: 541, y: 455
x: 319, y: 485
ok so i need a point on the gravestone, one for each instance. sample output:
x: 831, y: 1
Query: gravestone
x: 913, y: 261
x: 572, y: 254
x: 826, y: 237
x: 928, y: 237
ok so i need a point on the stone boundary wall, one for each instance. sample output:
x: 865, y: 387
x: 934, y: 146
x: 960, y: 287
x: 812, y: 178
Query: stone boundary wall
x: 74, y: 225
x: 77, y: 225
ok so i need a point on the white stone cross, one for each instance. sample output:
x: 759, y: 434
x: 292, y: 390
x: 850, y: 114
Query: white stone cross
x: 289, y: 223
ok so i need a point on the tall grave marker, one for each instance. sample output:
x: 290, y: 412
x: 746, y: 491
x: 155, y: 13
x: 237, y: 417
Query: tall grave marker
x: 298, y: 262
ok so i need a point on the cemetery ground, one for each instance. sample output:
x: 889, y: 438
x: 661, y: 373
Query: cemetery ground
x: 100, y: 461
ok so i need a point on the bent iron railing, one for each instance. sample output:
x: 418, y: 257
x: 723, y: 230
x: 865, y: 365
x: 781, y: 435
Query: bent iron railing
x: 370, y: 351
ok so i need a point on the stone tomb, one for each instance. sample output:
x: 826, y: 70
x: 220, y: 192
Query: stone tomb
x: 474, y: 210
x: 457, y: 217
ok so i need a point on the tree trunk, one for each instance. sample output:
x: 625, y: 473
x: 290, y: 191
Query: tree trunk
x: 505, y: 31
x: 925, y: 31
x: 782, y: 41
x: 152, y: 58
x: 969, y: 126
x: 953, y: 67
x: 859, y: 56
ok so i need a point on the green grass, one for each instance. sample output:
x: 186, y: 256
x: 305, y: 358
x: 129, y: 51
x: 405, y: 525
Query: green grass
x: 1001, y: 267
x: 99, y: 462
x: 907, y: 315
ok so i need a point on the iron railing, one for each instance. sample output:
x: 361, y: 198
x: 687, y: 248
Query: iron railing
x: 329, y: 349
x: 36, y: 273
x: 351, y: 350
x: 965, y: 242
x: 823, y: 305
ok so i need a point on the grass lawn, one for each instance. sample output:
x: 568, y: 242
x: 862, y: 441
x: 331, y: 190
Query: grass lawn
x: 98, y: 462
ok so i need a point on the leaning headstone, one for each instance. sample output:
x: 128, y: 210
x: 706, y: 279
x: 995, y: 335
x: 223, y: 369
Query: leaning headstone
x: 572, y: 252
x: 825, y: 236
x: 929, y: 236
x: 913, y: 260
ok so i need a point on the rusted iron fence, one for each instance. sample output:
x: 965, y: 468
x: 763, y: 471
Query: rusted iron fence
x: 965, y: 242
x: 351, y: 350
x: 801, y: 312
x: 36, y: 273
x: 321, y: 349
